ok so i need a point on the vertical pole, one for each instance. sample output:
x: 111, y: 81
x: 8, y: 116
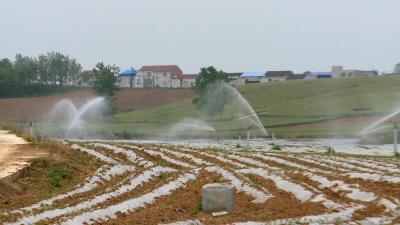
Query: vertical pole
x: 248, y: 138
x: 395, y: 134
x: 31, y: 128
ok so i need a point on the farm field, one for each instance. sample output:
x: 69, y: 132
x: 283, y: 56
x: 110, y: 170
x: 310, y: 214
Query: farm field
x: 338, y: 108
x: 314, y: 108
x: 161, y: 184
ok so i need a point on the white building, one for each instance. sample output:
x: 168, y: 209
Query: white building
x: 126, y: 78
x: 188, y: 80
x: 161, y: 76
x: 252, y: 77
x: 338, y: 71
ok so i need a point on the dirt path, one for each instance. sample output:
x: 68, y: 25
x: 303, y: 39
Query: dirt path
x: 14, y: 153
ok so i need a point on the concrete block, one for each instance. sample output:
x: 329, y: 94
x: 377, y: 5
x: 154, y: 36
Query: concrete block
x: 218, y: 197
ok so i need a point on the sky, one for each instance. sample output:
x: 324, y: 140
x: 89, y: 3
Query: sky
x: 233, y: 35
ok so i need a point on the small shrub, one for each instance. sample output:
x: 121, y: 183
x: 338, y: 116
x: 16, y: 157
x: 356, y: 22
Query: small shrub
x: 57, y: 172
x: 198, y: 209
x: 276, y: 147
x: 238, y: 146
x: 330, y: 151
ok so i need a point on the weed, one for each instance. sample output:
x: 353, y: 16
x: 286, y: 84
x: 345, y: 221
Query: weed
x: 330, y: 151
x: 276, y: 147
x: 198, y: 209
x: 57, y: 172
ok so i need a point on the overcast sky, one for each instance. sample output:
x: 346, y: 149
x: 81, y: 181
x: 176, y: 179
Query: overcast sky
x: 233, y: 35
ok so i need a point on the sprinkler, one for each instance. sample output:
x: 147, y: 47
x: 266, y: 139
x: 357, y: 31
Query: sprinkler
x: 395, y: 134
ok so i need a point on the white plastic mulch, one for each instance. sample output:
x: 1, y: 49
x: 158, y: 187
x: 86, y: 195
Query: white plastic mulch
x: 165, y: 157
x: 297, y: 190
x: 347, y: 172
x: 259, y: 197
x: 339, y: 186
x: 132, y: 204
x: 104, y: 173
x: 136, y: 181
x: 95, y: 154
x: 130, y: 154
x: 220, y: 158
x: 328, y: 218
x: 178, y: 154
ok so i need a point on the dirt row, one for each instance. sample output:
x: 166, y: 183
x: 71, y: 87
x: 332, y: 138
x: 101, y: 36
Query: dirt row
x: 185, y: 203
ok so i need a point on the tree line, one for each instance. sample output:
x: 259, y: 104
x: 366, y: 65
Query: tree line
x: 53, y: 72
x: 26, y: 75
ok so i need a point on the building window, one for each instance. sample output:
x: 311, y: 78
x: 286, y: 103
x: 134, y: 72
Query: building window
x: 164, y: 74
x: 139, y: 82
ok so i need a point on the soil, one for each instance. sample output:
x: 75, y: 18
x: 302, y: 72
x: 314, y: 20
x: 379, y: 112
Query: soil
x: 31, y: 184
x: 184, y: 204
x: 15, y: 153
x: 35, y: 108
x: 142, y: 98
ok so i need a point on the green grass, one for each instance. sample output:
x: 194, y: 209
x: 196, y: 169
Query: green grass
x: 282, y: 105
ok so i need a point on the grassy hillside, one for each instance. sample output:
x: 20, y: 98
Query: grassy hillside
x: 291, y: 109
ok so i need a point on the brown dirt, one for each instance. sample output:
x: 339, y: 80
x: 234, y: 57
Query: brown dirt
x: 26, y: 109
x: 142, y: 98
x: 31, y: 182
x: 35, y: 108
x: 369, y: 211
x: 384, y: 189
x: 335, y: 196
x: 183, y: 205
x: 298, y: 160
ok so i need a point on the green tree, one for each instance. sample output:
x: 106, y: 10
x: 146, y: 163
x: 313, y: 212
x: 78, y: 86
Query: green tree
x: 8, y: 81
x: 214, y: 91
x: 86, y: 76
x: 397, y: 68
x: 208, y: 76
x: 106, y: 79
x: 26, y: 69
x: 61, y: 68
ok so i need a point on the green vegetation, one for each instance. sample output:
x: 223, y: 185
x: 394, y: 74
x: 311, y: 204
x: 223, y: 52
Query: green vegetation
x: 106, y: 79
x: 282, y: 105
x: 397, y: 68
x: 57, y: 173
x: 213, y: 96
x: 330, y: 151
x: 276, y: 147
x: 34, y: 76
x: 198, y: 209
x: 292, y: 109
x: 208, y: 76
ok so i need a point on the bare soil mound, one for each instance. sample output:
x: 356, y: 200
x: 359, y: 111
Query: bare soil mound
x: 141, y: 99
x: 35, y: 108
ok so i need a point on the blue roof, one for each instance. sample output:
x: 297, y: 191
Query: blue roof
x: 128, y: 73
x: 253, y: 74
x: 322, y: 74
